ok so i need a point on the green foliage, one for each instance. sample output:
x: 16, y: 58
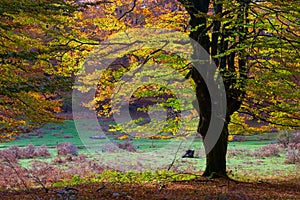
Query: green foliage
x: 126, y: 177
x: 40, y: 53
x: 272, y: 87
x: 256, y: 47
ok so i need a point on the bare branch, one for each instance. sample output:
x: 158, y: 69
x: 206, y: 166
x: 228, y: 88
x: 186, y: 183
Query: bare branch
x: 129, y: 11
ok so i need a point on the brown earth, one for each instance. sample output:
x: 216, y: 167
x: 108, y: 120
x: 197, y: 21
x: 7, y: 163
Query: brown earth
x: 195, y: 189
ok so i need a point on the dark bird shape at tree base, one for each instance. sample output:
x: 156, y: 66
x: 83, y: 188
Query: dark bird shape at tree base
x: 189, y: 154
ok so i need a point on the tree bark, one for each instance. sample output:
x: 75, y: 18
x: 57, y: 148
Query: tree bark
x: 198, y: 10
x: 216, y: 158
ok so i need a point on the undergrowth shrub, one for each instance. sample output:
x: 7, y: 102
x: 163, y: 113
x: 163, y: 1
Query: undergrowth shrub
x: 296, y: 138
x: 287, y: 137
x: 268, y: 150
x: 12, y: 175
x: 293, y: 154
x: 44, y: 174
x: 116, y: 146
x: 80, y: 165
x: 8, y: 156
x: 81, y: 158
x: 41, y: 174
x: 66, y: 148
x: 30, y: 151
x: 238, y: 138
x: 238, y: 152
x: 110, y: 147
x: 128, y: 146
x: 291, y: 142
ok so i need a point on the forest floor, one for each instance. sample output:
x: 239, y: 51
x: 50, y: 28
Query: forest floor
x: 201, y: 188
x: 284, y: 181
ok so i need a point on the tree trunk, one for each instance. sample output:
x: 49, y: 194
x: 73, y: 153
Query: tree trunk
x: 218, y: 44
x: 216, y: 158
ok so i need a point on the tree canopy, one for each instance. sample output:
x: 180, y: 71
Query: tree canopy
x: 38, y: 58
x: 254, y: 44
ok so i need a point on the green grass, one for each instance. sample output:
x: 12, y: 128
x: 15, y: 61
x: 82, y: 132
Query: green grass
x: 68, y: 128
x: 241, y: 166
x: 53, y: 134
x: 249, y: 145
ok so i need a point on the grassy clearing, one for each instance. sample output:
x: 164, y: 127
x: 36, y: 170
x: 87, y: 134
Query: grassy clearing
x: 242, y: 165
x: 50, y: 135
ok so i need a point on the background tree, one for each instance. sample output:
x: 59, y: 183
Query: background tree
x: 41, y: 45
x: 125, y: 15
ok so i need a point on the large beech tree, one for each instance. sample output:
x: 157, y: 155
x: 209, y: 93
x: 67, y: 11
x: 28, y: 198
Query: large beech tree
x: 214, y: 39
x: 244, y: 37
